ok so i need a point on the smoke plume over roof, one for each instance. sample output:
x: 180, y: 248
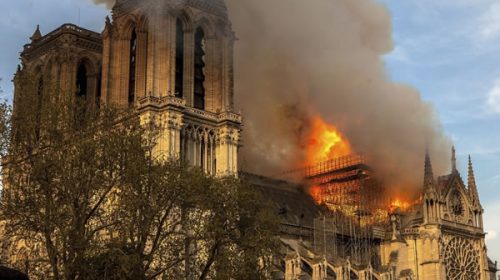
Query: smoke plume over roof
x: 108, y: 3
x: 298, y: 59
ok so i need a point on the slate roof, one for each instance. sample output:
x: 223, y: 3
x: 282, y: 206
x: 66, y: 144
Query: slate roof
x: 290, y: 201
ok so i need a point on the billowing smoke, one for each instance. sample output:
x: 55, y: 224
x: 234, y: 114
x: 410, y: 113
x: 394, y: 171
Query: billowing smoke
x: 108, y: 3
x: 296, y: 59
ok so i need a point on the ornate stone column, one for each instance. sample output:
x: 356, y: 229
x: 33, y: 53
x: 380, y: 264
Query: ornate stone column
x: 107, y: 36
x: 162, y: 56
x: 150, y: 67
x: 228, y: 74
x: 211, y: 77
x: 92, y: 89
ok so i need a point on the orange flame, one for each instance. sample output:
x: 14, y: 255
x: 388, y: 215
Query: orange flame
x: 325, y: 142
x: 399, y: 203
x: 317, y: 194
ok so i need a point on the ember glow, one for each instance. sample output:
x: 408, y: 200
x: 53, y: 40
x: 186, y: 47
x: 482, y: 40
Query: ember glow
x: 398, y: 203
x: 317, y: 194
x: 325, y: 143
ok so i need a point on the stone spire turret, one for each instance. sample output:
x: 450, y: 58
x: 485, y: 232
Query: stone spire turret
x: 37, y: 35
x: 428, y: 174
x: 474, y: 196
x: 431, y: 207
x: 471, y: 184
x: 453, y: 160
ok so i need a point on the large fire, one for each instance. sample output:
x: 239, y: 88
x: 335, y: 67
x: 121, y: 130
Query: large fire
x: 400, y: 204
x: 325, y: 143
x: 327, y: 150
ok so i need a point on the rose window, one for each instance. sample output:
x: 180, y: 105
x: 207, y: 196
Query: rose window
x: 462, y: 261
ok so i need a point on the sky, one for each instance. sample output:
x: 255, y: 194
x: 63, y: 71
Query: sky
x: 450, y: 51
x: 447, y: 49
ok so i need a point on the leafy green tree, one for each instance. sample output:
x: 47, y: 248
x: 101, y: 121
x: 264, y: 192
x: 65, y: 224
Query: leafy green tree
x: 87, y: 197
x: 239, y: 231
x: 61, y: 172
x: 5, y: 119
x: 188, y: 225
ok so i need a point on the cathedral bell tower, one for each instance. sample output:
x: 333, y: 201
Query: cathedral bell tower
x: 172, y: 60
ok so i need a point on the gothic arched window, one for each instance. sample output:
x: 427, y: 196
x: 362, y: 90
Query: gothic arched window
x: 132, y: 68
x: 98, y: 92
x: 456, y: 204
x: 39, y: 88
x: 81, y: 81
x: 81, y: 93
x: 199, y: 69
x: 179, y: 59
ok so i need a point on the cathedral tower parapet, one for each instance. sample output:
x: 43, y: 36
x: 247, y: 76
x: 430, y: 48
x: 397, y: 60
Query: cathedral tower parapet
x: 69, y: 58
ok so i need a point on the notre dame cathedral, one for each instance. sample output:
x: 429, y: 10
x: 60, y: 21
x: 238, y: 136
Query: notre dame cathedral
x: 173, y: 63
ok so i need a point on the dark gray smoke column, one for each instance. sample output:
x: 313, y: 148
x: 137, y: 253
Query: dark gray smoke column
x: 297, y: 58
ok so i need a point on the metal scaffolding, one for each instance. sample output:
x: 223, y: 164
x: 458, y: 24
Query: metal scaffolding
x: 351, y: 229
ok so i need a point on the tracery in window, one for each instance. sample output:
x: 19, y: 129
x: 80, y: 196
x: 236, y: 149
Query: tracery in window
x: 132, y: 68
x: 199, y: 69
x: 461, y: 259
x: 179, y: 60
x: 456, y: 204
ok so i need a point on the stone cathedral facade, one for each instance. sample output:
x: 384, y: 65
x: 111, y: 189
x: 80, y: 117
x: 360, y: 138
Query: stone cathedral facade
x: 440, y: 237
x: 172, y: 61
x: 443, y: 236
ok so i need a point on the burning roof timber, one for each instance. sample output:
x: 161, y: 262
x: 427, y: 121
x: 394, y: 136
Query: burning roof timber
x: 342, y: 169
x: 342, y: 182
